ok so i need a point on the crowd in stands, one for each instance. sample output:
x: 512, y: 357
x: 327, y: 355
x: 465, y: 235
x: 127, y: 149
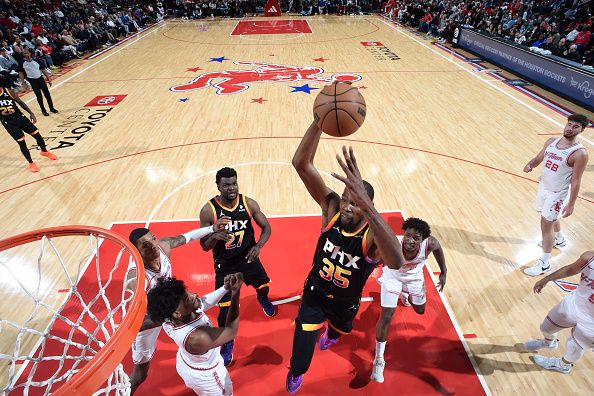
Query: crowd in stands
x: 57, y: 31
x: 560, y: 27
x: 198, y: 9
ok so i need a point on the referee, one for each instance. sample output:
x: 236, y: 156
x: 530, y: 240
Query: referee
x: 34, y: 74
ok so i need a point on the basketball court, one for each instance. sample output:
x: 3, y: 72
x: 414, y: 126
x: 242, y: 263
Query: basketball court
x: 144, y: 126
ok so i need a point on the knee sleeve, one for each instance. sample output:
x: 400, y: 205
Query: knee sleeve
x: 573, y: 351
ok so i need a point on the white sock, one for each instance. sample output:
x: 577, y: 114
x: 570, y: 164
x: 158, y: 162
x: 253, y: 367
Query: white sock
x: 546, y: 257
x: 549, y: 342
x: 379, y: 349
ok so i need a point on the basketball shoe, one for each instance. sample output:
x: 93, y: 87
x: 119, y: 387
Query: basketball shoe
x: 377, y: 374
x: 325, y: 342
x: 535, y: 345
x: 553, y: 364
x: 559, y: 242
x: 539, y: 268
x: 269, y: 309
x: 49, y: 155
x: 293, y: 383
x: 33, y: 167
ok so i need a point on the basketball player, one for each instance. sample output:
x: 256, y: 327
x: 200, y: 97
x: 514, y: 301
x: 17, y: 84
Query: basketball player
x: 198, y: 360
x: 16, y: 124
x: 235, y: 249
x: 565, y: 160
x: 353, y: 238
x: 575, y: 311
x: 408, y: 283
x: 157, y: 264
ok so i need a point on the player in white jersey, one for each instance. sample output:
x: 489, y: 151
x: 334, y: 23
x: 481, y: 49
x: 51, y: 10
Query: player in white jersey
x: 565, y: 160
x: 199, y: 361
x: 155, y: 256
x: 407, y: 283
x: 575, y: 311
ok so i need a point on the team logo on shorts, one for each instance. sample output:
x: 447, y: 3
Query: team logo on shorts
x: 230, y: 82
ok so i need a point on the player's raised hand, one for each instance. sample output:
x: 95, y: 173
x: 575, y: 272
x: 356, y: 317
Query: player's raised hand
x: 538, y: 286
x: 235, y: 282
x: 227, y: 282
x: 221, y: 223
x: 352, y: 179
x: 223, y: 235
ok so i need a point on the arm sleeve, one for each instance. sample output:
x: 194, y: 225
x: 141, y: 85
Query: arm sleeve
x: 198, y: 233
x: 211, y: 299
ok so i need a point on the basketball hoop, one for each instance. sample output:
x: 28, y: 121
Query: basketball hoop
x: 91, y: 317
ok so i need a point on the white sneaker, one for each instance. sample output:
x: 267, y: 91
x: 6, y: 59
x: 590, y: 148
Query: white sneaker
x: 404, y: 299
x: 559, y: 242
x: 377, y: 374
x: 535, y: 345
x: 553, y: 364
x: 538, y: 269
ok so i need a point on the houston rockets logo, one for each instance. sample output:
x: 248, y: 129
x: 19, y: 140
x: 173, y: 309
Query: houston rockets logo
x: 230, y: 82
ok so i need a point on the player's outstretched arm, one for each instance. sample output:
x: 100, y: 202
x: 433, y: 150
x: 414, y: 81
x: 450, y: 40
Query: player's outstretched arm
x: 205, y: 338
x: 303, y: 164
x: 384, y: 238
x: 179, y: 240
x: 206, y: 220
x: 564, y: 272
x: 534, y: 162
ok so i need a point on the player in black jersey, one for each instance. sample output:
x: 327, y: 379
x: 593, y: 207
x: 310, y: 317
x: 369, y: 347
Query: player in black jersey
x: 354, y: 240
x: 235, y: 249
x: 17, y: 124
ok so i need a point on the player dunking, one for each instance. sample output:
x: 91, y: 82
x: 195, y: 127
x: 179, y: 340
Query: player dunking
x: 575, y: 312
x: 565, y: 161
x: 235, y: 249
x: 182, y: 314
x: 17, y: 124
x: 354, y: 237
x: 407, y: 282
x: 155, y: 258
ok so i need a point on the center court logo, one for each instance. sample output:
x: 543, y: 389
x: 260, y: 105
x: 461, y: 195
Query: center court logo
x: 230, y: 82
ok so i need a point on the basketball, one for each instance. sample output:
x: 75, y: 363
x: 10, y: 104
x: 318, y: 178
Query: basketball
x: 339, y: 109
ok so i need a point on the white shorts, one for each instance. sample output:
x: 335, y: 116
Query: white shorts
x: 393, y: 283
x: 567, y: 315
x: 144, y: 345
x: 550, y: 204
x: 206, y: 381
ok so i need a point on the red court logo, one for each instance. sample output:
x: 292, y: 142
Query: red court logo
x: 230, y: 82
x: 106, y: 100
x: 371, y: 44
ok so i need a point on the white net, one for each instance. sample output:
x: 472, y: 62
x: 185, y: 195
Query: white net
x: 64, y: 300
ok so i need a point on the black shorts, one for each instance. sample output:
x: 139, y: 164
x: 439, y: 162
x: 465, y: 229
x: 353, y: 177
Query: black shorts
x: 316, y: 308
x: 254, y: 273
x: 16, y: 125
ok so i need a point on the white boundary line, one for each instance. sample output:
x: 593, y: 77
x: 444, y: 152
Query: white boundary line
x: 140, y: 37
x: 475, y: 75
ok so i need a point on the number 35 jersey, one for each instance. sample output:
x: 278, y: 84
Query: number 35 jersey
x: 241, y: 228
x: 340, y: 265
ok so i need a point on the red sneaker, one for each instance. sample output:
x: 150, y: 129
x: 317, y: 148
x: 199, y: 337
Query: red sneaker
x: 33, y: 167
x: 49, y: 155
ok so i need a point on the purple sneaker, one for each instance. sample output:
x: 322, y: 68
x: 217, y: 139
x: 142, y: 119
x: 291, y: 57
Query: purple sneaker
x: 269, y: 309
x: 293, y: 383
x: 324, y: 342
x: 227, y: 352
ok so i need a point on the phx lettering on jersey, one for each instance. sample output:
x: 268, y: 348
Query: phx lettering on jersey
x: 238, y: 225
x: 336, y: 251
x: 76, y: 126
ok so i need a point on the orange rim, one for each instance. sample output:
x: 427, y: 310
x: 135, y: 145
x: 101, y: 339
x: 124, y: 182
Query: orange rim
x: 90, y: 378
